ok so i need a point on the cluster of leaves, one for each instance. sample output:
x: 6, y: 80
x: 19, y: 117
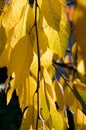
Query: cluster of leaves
x: 32, y: 35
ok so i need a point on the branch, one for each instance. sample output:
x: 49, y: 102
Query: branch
x: 70, y: 66
x: 73, y: 89
x: 38, y: 51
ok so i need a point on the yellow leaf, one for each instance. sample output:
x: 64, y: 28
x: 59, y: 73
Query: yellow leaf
x: 19, y: 30
x: 46, y: 58
x: 57, y: 40
x: 43, y: 104
x: 59, y: 95
x: 5, y: 56
x: 48, y: 84
x: 25, y: 92
x: 80, y: 120
x: 21, y: 58
x: 72, y: 102
x: 47, y: 77
x: 53, y: 26
x: 29, y: 119
x: 57, y: 119
x: 81, y: 88
x: 12, y: 14
x: 51, y: 71
x: 79, y: 25
x: 52, y: 12
x: 34, y: 66
x: 43, y: 41
x: 81, y: 67
x: 3, y: 38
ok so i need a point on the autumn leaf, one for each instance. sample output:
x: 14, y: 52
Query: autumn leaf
x: 80, y: 120
x: 20, y: 61
x: 54, y: 21
x: 43, y: 104
x: 59, y: 95
x: 12, y: 14
x: 19, y: 30
x: 2, y: 4
x: 3, y: 38
x: 79, y: 22
x: 54, y: 114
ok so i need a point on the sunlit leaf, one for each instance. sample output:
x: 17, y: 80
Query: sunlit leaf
x: 19, y: 30
x: 29, y: 119
x: 57, y: 43
x: 48, y: 84
x: 21, y: 58
x: 59, y: 95
x: 34, y: 66
x: 12, y: 14
x: 54, y: 25
x: 47, y: 77
x: 46, y: 58
x: 25, y: 92
x: 52, y: 12
x: 43, y: 104
x: 43, y: 41
x: 56, y: 117
x: 81, y: 67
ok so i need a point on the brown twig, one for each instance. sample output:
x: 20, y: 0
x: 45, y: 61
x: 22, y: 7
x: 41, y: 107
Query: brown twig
x: 38, y: 75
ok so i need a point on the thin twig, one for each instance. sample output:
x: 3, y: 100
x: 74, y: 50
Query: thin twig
x: 69, y: 66
x: 63, y: 76
x: 38, y: 51
x: 31, y: 28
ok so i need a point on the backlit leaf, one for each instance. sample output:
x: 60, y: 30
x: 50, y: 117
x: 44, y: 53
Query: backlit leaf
x: 21, y: 58
x: 59, y: 95
x: 46, y: 58
x: 19, y: 30
x: 34, y: 66
x: 54, y: 22
x: 56, y: 117
x: 12, y: 14
x: 44, y: 108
